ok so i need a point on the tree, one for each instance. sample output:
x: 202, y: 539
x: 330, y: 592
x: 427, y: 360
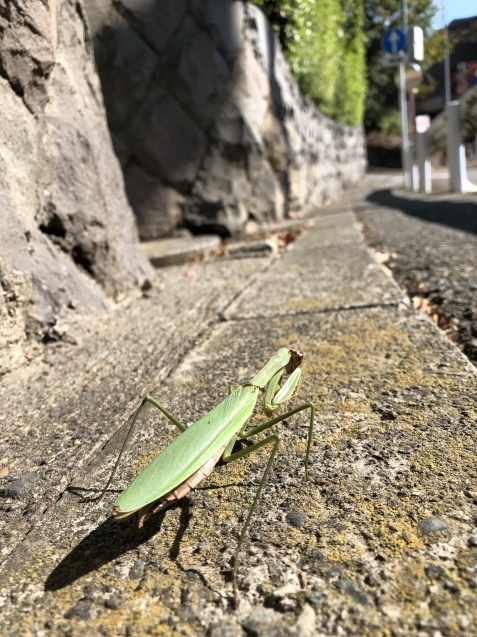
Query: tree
x: 352, y: 80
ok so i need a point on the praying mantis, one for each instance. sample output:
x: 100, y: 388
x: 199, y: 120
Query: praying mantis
x: 191, y: 456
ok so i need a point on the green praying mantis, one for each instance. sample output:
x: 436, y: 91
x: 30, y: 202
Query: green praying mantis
x: 191, y: 456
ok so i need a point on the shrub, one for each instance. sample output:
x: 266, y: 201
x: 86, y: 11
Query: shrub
x: 325, y: 46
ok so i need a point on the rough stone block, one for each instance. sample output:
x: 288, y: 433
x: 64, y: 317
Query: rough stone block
x: 69, y: 243
x: 166, y: 141
x: 274, y: 142
x: 267, y: 202
x: 223, y: 19
x: 126, y: 64
x: 157, y: 207
x: 15, y: 294
x: 156, y: 21
x: 200, y: 79
x: 251, y: 91
x: 221, y: 196
x: 228, y: 126
x: 27, y: 54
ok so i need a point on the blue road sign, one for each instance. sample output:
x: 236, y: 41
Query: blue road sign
x: 393, y: 41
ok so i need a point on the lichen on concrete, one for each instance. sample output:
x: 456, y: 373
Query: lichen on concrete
x: 384, y: 544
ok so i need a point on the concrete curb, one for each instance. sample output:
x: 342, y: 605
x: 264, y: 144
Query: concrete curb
x: 386, y: 542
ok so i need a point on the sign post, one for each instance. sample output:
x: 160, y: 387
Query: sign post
x: 394, y: 43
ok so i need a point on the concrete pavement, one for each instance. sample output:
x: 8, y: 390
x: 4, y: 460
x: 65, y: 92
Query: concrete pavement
x: 441, y: 180
x: 381, y: 540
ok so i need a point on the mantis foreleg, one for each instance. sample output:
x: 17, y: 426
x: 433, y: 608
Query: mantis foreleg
x: 259, y: 428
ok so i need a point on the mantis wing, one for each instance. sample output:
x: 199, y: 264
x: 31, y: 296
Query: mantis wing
x: 189, y: 451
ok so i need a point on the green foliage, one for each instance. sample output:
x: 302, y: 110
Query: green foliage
x: 352, y: 84
x: 334, y: 48
x: 434, y: 52
x: 390, y: 121
x: 325, y: 46
x: 316, y: 49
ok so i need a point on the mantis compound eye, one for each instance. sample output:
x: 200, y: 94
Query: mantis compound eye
x: 296, y: 358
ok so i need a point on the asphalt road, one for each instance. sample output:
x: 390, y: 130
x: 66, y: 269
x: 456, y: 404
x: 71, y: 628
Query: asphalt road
x: 431, y: 243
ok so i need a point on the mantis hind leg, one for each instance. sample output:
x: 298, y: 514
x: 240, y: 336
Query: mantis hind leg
x: 167, y: 414
x: 274, y: 440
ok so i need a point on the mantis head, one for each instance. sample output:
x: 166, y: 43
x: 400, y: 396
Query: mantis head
x: 295, y: 361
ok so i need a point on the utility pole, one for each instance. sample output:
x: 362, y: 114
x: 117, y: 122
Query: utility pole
x: 447, y: 82
x: 405, y: 155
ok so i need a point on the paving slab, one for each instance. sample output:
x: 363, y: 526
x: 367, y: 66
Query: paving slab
x: 386, y: 538
x: 327, y: 268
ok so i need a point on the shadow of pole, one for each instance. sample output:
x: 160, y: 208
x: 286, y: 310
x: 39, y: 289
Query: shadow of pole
x: 461, y: 215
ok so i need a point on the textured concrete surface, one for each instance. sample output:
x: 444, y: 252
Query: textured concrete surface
x: 381, y: 539
x: 177, y: 250
x: 328, y: 268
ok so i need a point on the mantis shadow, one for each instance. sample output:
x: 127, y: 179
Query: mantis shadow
x: 110, y: 540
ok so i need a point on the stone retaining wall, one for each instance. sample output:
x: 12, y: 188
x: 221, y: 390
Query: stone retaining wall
x: 211, y: 130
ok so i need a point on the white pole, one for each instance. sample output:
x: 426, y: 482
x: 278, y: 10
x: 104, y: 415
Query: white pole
x: 455, y: 149
x: 406, y: 163
x: 425, y: 180
x: 413, y: 174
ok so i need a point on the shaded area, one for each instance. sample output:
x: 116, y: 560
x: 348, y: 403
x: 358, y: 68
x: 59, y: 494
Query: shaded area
x: 381, y: 157
x: 461, y: 215
x: 109, y: 541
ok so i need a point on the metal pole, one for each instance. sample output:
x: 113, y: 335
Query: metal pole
x: 403, y: 106
x: 447, y: 81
